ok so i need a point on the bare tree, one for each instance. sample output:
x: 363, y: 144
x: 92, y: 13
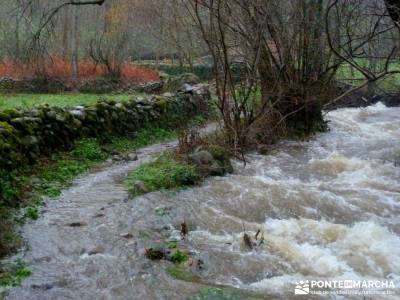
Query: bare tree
x: 290, y: 56
x: 284, y: 69
x: 365, y: 29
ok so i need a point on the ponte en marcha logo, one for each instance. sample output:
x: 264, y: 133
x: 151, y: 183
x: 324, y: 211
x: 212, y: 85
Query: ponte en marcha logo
x: 354, y: 287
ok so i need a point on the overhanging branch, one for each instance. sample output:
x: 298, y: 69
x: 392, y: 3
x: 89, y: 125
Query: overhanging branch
x: 55, y: 10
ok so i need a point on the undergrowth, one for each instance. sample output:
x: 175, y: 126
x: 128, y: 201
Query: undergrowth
x: 13, y: 274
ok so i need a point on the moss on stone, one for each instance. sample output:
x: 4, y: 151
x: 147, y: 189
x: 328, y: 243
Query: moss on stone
x: 6, y: 128
x: 222, y: 156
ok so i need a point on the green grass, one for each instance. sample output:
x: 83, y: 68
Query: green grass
x: 8, y: 101
x: 89, y: 150
x: 144, y: 138
x: 13, y: 274
x: 351, y: 76
x: 179, y: 257
x: 87, y: 153
x: 167, y: 172
x: 178, y: 272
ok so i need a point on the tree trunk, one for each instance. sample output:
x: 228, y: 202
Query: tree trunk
x: 66, y: 22
x: 17, y: 28
x: 75, y: 48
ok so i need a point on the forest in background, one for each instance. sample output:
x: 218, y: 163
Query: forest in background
x: 90, y: 40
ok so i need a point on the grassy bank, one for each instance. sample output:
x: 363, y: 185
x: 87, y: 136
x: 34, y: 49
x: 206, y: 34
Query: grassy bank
x: 26, y: 188
x: 175, y: 169
x: 352, y: 76
x: 23, y: 193
x: 167, y: 172
x: 8, y: 101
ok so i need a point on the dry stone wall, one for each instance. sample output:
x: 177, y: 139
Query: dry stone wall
x: 25, y: 135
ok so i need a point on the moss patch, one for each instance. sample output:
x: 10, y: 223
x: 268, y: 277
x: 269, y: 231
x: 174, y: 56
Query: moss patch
x: 221, y: 155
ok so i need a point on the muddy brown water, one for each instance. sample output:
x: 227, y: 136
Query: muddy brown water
x: 327, y: 208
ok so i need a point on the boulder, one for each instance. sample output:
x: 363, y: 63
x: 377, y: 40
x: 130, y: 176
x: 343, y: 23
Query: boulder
x: 187, y: 88
x: 216, y: 169
x: 180, y: 83
x: 213, y: 160
x: 29, y: 140
x: 51, y: 115
x: 140, y: 187
x: 201, y: 158
x: 222, y: 156
x: 156, y: 253
x: 78, y: 113
x: 12, y: 113
x: 93, y: 250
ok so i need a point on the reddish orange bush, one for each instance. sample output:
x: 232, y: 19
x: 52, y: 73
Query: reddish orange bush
x: 135, y: 73
x: 14, y: 70
x: 88, y: 70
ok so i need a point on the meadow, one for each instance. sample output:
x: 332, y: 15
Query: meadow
x: 9, y: 101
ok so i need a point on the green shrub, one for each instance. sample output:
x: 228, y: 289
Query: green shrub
x: 89, y: 149
x: 32, y: 213
x: 9, y: 239
x: 8, y: 188
x: 13, y: 274
x: 179, y: 257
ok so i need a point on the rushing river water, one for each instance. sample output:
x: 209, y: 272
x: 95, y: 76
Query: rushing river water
x: 326, y: 209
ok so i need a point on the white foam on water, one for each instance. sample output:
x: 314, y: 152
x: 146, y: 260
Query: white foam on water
x: 322, y: 250
x: 344, y: 188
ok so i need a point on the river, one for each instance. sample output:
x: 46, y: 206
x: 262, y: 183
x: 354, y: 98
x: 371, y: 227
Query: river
x: 323, y: 209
